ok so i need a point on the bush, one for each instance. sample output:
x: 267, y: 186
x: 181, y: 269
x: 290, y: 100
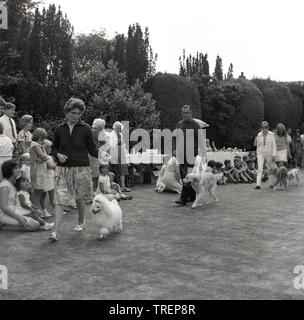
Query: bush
x: 280, y: 104
x: 234, y: 111
x: 171, y: 92
x: 245, y: 123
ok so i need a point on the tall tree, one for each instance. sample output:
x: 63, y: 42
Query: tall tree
x: 119, y: 54
x: 230, y: 72
x: 35, y: 52
x: 140, y: 60
x: 218, y: 71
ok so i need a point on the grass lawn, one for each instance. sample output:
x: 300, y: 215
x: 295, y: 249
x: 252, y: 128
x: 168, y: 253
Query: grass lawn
x: 243, y: 247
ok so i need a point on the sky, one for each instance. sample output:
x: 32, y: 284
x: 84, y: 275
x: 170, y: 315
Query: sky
x: 262, y: 38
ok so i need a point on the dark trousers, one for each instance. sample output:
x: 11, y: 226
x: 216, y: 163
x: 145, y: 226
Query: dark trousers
x: 188, y: 193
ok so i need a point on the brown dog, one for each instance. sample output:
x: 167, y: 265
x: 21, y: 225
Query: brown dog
x: 202, y: 183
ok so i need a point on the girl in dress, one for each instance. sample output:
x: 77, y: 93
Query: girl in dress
x: 39, y: 160
x: 49, y: 179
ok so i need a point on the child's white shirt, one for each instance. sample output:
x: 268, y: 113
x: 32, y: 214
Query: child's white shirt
x: 19, y: 208
x: 26, y: 171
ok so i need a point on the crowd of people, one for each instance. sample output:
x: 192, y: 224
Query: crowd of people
x: 66, y: 170
x: 81, y: 159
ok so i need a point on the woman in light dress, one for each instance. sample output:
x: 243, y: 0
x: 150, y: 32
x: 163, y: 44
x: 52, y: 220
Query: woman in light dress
x: 171, y: 177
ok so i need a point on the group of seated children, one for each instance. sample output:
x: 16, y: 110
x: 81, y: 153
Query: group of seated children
x: 241, y: 171
x: 107, y: 186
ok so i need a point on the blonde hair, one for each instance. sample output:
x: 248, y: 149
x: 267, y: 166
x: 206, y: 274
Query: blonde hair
x: 48, y: 143
x: 117, y: 124
x: 24, y: 120
x: 97, y: 123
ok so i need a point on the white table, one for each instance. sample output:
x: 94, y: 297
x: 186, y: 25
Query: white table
x: 155, y: 158
x: 221, y: 156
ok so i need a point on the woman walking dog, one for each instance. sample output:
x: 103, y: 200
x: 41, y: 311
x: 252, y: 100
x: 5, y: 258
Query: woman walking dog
x: 73, y: 140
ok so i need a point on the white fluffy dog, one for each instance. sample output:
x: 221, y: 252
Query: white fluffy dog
x: 202, y: 183
x: 107, y: 215
x: 294, y: 176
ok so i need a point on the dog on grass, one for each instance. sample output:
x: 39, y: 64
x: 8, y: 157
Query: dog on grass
x: 294, y: 176
x: 107, y: 215
x: 278, y: 176
x: 202, y: 183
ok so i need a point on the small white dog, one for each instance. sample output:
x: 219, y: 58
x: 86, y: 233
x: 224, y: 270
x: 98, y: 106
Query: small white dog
x: 107, y: 215
x: 294, y: 176
x: 202, y: 183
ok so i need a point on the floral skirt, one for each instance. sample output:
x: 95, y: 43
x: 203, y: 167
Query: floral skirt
x: 73, y: 183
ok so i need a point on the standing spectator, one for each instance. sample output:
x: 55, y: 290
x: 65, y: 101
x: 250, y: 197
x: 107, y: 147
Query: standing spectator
x: 188, y: 123
x: 6, y: 148
x: 103, y: 136
x: 49, y: 180
x: 24, y: 137
x: 283, y: 152
x: 266, y: 150
x: 39, y: 160
x: 298, y: 149
x: 97, y: 128
x: 72, y: 142
x: 9, y: 218
x: 2, y: 106
x: 290, y: 145
x: 9, y: 126
x: 118, y: 154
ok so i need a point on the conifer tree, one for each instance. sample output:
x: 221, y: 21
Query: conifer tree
x: 218, y: 71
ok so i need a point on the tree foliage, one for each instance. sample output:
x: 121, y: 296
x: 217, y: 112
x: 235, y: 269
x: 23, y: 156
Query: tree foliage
x: 171, y: 92
x: 280, y: 104
x: 108, y: 94
x: 234, y: 110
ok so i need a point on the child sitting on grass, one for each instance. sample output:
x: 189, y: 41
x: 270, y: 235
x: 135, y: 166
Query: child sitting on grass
x: 251, y: 171
x: 115, y: 188
x: 211, y: 166
x: 218, y: 171
x: 229, y: 172
x: 104, y: 184
x: 239, y: 166
x: 24, y: 205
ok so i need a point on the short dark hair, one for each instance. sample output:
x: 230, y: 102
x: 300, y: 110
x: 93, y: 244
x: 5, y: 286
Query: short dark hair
x: 39, y: 134
x: 18, y: 182
x: 103, y: 166
x: 9, y: 106
x: 8, y: 168
x: 211, y: 163
x: 227, y: 161
x: 74, y: 103
x: 218, y: 165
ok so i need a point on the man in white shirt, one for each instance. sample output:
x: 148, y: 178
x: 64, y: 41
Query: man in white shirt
x: 266, y: 150
x: 8, y: 123
x: 6, y: 149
